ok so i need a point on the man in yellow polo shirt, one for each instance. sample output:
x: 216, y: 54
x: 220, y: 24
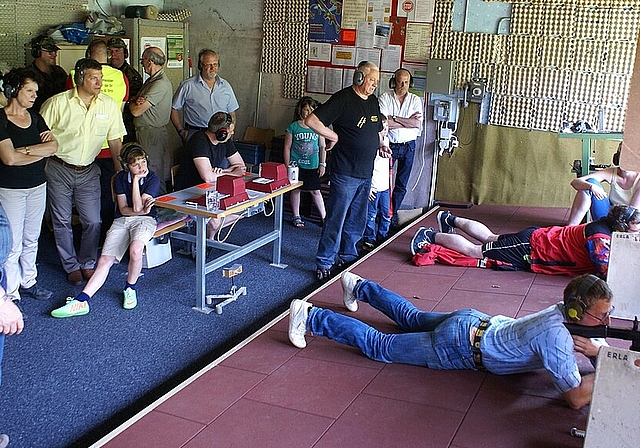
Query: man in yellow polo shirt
x: 115, y: 85
x: 80, y: 120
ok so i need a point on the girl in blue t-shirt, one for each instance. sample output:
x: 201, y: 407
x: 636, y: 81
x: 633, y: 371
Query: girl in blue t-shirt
x: 305, y: 149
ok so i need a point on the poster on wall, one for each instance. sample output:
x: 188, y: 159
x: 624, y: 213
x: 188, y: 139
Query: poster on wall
x: 146, y: 42
x: 378, y: 10
x: 325, y: 18
x: 418, y: 42
x: 315, y: 79
x: 319, y: 52
x: 175, y: 51
x: 352, y: 12
x: 343, y: 55
x: 416, y: 10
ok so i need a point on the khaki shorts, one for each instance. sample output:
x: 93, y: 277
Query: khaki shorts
x: 126, y: 229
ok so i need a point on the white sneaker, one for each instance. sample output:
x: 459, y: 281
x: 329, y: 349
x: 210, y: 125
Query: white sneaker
x: 348, y: 281
x: 130, y: 299
x: 298, y: 315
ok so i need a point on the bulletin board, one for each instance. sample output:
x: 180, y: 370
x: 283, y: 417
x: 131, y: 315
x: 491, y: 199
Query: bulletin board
x: 389, y: 33
x: 316, y: 44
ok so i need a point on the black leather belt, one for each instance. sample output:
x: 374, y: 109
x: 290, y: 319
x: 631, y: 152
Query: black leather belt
x: 69, y: 165
x: 400, y: 144
x: 196, y: 128
x: 477, y: 354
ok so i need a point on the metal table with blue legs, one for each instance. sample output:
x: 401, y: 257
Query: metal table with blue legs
x: 182, y: 201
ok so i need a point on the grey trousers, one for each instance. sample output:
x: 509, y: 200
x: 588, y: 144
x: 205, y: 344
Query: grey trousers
x: 66, y: 188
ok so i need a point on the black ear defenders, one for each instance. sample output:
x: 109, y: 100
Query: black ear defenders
x: 10, y: 89
x: 628, y: 213
x: 393, y: 83
x: 358, y: 74
x: 78, y: 71
x: 126, y: 151
x: 575, y: 306
x: 36, y: 49
x: 223, y: 132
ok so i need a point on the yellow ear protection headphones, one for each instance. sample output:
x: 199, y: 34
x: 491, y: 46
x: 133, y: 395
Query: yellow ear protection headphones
x: 358, y: 75
x: 393, y: 83
x: 126, y: 151
x: 575, y: 306
x: 223, y: 132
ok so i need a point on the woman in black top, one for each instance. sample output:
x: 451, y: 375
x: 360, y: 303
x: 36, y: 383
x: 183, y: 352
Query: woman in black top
x: 25, y: 142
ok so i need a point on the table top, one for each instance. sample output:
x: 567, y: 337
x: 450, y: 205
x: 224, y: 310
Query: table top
x: 177, y: 200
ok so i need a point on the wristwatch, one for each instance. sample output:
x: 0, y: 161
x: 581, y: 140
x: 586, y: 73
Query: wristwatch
x: 322, y: 164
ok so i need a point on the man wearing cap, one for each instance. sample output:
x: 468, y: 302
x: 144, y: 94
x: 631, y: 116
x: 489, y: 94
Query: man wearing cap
x: 45, y: 52
x: 118, y: 53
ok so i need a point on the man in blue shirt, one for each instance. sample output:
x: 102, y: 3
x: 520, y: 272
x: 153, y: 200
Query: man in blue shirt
x: 467, y: 338
x: 200, y: 96
x: 134, y: 225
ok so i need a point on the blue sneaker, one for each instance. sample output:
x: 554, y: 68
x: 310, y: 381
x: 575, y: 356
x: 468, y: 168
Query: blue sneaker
x: 423, y: 236
x: 130, y: 299
x: 445, y: 222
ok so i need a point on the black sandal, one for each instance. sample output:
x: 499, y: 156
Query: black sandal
x: 297, y: 222
x: 322, y: 274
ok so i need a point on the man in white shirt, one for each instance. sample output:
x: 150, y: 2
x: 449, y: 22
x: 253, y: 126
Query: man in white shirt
x: 404, y: 112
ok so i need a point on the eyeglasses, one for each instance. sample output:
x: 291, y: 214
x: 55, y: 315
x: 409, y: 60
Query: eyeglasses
x: 601, y: 320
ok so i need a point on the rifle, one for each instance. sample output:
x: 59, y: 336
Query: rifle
x: 605, y: 331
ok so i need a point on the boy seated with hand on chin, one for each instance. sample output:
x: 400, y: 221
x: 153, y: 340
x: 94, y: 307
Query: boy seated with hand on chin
x: 134, y: 225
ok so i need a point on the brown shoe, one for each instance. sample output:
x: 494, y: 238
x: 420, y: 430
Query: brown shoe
x: 87, y: 273
x: 75, y: 277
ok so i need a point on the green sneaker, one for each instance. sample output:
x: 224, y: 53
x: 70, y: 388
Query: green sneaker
x: 130, y: 299
x: 72, y: 308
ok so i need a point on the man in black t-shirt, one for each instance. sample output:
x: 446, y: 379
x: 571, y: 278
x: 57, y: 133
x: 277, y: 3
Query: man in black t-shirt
x: 354, y: 141
x: 206, y: 151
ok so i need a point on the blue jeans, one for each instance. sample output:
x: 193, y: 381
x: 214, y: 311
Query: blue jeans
x: 345, y: 221
x: 378, y: 219
x: 5, y: 247
x: 403, y: 158
x: 434, y: 340
x: 599, y: 207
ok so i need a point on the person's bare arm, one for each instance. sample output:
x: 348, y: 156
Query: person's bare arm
x: 115, y: 146
x: 24, y: 155
x: 139, y: 106
x: 175, y: 120
x: 581, y: 395
x: 313, y: 122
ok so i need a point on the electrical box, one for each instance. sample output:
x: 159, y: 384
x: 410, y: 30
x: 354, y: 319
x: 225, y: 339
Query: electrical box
x: 441, y: 76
